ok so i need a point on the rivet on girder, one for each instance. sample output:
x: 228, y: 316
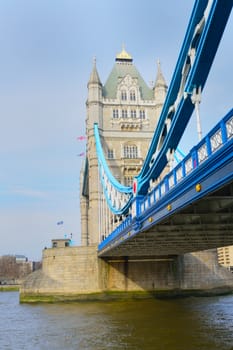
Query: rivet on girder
x: 169, y: 207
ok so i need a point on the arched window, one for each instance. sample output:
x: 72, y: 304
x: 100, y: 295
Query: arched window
x: 133, y: 114
x: 124, y: 95
x: 110, y: 154
x: 130, y: 151
x: 132, y: 95
x: 142, y: 114
x: 124, y: 113
x: 115, y: 114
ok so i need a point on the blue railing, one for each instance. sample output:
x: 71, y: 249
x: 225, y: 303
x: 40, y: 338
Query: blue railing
x: 115, y: 233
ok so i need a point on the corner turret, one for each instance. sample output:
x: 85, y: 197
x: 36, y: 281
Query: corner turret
x: 94, y: 100
x: 160, y: 87
x: 94, y: 77
x: 94, y: 85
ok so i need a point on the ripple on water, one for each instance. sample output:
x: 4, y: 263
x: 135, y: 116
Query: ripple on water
x: 181, y: 324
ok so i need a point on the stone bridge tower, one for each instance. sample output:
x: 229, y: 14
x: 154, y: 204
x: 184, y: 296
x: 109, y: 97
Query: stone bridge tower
x: 126, y: 111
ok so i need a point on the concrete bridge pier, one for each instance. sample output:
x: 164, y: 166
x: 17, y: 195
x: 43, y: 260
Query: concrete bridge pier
x: 76, y: 273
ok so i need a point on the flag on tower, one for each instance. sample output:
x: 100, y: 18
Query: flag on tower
x: 81, y: 138
x: 60, y: 223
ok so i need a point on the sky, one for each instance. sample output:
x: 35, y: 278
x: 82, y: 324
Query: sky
x: 47, y: 49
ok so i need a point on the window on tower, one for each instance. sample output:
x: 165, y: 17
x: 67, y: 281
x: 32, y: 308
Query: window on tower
x: 110, y: 154
x: 115, y: 114
x: 132, y: 95
x: 124, y: 113
x: 130, y: 151
x: 142, y: 114
x: 133, y: 114
x: 124, y: 95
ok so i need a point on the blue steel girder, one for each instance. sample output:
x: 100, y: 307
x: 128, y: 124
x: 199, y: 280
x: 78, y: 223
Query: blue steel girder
x: 172, y: 124
x: 192, y: 183
x: 174, y: 86
x: 204, y: 32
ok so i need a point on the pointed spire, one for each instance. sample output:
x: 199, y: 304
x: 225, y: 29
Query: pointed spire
x: 160, y: 87
x: 160, y: 81
x: 94, y: 77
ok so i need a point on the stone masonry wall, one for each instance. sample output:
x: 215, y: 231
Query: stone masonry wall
x: 147, y: 274
x: 201, y: 271
x: 65, y: 271
x: 77, y: 272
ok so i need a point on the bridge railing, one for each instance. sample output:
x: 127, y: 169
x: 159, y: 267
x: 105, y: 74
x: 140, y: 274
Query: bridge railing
x: 119, y: 229
x: 211, y: 143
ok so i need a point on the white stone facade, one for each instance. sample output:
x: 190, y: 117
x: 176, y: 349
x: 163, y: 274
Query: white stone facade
x: 127, y: 112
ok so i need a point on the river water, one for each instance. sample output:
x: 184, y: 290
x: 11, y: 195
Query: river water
x: 177, y: 324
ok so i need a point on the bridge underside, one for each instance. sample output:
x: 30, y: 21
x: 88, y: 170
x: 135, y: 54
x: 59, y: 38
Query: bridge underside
x: 204, y: 224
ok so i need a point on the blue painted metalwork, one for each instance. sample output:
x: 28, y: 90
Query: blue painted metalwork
x: 114, y: 182
x: 204, y: 32
x: 212, y: 165
x: 110, y: 184
x: 174, y: 86
x: 179, y: 111
x: 178, y: 155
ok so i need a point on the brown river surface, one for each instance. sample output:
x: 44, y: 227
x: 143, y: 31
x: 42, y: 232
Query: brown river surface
x: 178, y: 324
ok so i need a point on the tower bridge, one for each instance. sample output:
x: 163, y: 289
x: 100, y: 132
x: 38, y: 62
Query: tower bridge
x: 164, y: 225
x: 145, y: 223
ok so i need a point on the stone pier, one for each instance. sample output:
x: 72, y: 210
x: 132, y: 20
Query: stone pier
x: 76, y: 273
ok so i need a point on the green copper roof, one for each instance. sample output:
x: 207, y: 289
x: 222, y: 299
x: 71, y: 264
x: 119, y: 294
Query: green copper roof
x: 119, y: 71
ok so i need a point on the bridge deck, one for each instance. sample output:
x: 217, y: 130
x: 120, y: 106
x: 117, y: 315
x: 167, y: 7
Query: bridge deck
x: 195, y: 213
x: 207, y: 223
